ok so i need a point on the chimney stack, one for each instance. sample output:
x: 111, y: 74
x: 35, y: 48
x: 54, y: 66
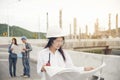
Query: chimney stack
x: 60, y: 18
x: 75, y: 25
x: 109, y: 25
x: 117, y: 25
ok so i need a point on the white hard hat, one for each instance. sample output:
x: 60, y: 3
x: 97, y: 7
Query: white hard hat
x: 55, y: 32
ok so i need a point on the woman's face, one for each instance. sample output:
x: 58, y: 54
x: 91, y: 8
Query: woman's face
x: 58, y: 42
x: 13, y: 41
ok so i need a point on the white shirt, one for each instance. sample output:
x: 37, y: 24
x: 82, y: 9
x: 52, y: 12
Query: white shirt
x: 56, y: 60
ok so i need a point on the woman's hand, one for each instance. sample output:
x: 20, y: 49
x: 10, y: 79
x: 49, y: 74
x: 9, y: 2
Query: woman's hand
x: 88, y: 68
x: 24, y: 49
x: 43, y: 69
x: 11, y: 49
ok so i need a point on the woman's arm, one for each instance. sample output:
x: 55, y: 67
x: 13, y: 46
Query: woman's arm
x: 40, y: 64
x: 9, y: 48
x: 69, y: 62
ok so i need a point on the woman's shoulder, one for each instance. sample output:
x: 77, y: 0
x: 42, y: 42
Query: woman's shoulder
x: 13, y: 45
x: 44, y: 51
x: 66, y: 52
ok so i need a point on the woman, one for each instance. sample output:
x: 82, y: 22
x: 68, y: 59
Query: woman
x: 53, y: 54
x: 13, y: 50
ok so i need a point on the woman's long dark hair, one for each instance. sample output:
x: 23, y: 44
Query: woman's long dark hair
x: 15, y: 41
x: 49, y: 44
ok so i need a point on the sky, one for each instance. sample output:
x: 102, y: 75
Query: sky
x: 31, y: 14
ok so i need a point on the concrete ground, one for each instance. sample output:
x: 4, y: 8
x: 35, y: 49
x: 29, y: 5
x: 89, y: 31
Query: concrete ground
x: 4, y: 69
x: 110, y: 71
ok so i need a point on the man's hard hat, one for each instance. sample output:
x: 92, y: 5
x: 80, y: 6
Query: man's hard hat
x: 55, y: 32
